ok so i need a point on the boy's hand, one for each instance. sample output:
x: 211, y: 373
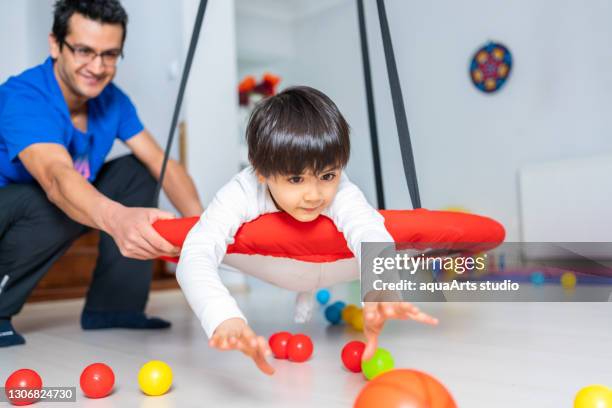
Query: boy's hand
x: 235, y: 334
x: 375, y: 314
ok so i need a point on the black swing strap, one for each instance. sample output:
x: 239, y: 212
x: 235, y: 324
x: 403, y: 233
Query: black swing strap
x: 398, y: 108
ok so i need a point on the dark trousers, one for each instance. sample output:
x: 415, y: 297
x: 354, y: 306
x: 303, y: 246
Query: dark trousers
x: 34, y: 233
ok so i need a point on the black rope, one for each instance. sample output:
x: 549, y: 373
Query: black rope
x: 398, y: 108
x: 179, y: 99
x: 367, y: 72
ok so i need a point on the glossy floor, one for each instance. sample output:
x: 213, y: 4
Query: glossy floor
x: 487, y: 354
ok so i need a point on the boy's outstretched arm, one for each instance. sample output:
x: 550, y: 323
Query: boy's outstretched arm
x: 360, y: 222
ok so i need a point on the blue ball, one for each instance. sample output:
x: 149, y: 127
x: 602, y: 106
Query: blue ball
x: 323, y: 296
x: 340, y: 305
x: 537, y: 278
x: 333, y: 314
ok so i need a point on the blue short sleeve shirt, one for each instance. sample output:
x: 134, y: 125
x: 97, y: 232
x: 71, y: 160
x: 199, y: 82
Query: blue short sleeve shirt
x: 33, y: 110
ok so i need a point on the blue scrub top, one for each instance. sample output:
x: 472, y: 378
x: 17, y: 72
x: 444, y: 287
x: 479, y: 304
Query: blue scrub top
x: 33, y: 110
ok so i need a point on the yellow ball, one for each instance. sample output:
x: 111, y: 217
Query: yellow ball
x: 568, y: 280
x: 155, y: 378
x: 357, y: 320
x: 594, y: 396
x: 348, y: 312
x: 456, y: 208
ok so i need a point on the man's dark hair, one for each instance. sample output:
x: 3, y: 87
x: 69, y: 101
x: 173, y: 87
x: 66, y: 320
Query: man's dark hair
x: 104, y: 11
x: 297, y: 130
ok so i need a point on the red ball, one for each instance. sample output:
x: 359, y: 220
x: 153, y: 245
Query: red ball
x: 351, y: 355
x: 19, y: 383
x: 404, y: 388
x: 278, y: 344
x: 299, y: 348
x: 97, y: 380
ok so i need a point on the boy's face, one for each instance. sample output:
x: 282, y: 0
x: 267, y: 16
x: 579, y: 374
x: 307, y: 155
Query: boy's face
x: 303, y: 196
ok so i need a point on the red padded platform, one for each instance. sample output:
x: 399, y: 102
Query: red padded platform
x: 280, y: 235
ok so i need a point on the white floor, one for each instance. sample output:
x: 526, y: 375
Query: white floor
x: 488, y: 354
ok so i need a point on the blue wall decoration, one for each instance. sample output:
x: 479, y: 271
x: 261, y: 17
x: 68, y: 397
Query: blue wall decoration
x: 490, y: 67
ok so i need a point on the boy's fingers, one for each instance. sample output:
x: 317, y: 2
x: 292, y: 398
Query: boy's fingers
x: 260, y: 357
x: 388, y: 310
x: 370, y: 312
x: 408, y: 307
x: 249, y: 337
x: 215, y: 341
x: 263, y: 346
x: 424, y: 318
x: 369, y: 307
x: 372, y: 343
x: 224, y: 344
x: 263, y: 364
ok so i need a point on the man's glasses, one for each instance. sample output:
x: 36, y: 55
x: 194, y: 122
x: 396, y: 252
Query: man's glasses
x: 85, y: 55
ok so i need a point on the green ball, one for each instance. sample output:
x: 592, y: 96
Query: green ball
x: 380, y: 362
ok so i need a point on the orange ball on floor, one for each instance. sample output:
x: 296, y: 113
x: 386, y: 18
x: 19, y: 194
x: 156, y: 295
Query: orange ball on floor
x: 404, y: 388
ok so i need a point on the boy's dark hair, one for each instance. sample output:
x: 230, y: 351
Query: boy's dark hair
x: 104, y: 11
x: 297, y: 130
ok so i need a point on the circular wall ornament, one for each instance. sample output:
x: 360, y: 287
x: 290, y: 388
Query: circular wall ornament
x: 490, y: 67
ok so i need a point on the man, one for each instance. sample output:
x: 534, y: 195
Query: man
x: 58, y: 122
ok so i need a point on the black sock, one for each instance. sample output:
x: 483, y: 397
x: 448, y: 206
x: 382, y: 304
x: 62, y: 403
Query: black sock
x: 8, y: 335
x: 91, y: 320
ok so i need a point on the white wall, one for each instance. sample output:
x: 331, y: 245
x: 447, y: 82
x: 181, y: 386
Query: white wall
x: 469, y: 145
x: 150, y: 71
x: 211, y: 100
x: 14, y: 41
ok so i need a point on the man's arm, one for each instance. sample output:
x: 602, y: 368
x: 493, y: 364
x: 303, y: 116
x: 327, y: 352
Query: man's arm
x: 51, y: 165
x: 177, y: 183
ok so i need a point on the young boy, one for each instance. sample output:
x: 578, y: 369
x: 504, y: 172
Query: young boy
x: 298, y: 147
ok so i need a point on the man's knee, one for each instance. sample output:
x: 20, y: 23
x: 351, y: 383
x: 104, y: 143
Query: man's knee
x: 37, y: 225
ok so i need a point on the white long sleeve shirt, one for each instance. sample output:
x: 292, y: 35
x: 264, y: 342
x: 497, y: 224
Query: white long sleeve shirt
x: 242, y: 200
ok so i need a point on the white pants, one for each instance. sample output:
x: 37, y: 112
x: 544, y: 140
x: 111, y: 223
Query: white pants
x: 298, y: 276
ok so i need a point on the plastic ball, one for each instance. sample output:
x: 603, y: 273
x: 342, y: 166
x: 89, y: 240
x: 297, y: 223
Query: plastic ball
x: 404, y: 388
x: 339, y: 304
x: 537, y: 278
x: 380, y: 362
x: 278, y: 344
x: 357, y: 320
x: 323, y: 296
x: 568, y: 280
x: 333, y: 314
x: 456, y: 208
x: 594, y: 396
x: 348, y: 312
x: 23, y: 379
x: 97, y: 380
x: 299, y: 348
x: 351, y: 355
x: 155, y: 378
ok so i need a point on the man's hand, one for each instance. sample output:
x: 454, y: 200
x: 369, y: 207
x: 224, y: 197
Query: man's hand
x: 235, y: 334
x: 375, y: 314
x: 132, y: 230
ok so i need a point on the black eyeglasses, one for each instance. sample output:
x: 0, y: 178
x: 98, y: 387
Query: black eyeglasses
x: 85, y: 55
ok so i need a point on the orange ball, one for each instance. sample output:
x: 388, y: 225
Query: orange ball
x: 404, y: 388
